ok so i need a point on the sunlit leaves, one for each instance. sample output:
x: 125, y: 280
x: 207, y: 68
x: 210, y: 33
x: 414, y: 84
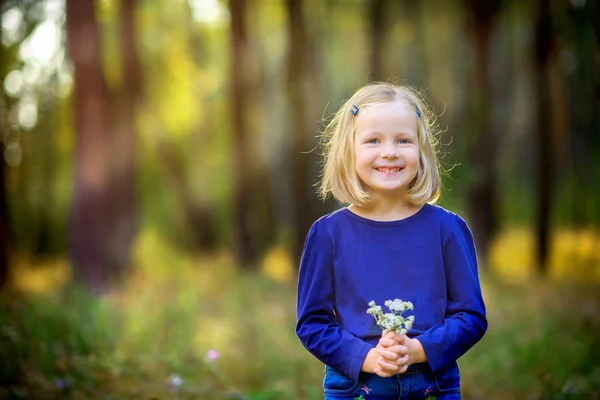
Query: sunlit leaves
x: 13, y: 26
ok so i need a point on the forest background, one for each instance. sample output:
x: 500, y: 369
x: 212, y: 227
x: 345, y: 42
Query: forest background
x: 157, y: 182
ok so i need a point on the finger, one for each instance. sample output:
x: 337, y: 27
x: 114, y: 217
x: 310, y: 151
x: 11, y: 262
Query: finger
x: 382, y: 374
x: 398, y: 349
x: 387, y: 342
x: 395, y: 348
x: 387, y: 366
x: 402, y: 360
x: 403, y: 369
x: 388, y: 355
x: 390, y: 334
x: 395, y: 336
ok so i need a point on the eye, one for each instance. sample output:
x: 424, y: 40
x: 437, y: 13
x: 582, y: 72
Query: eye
x: 372, y: 141
x: 403, y: 141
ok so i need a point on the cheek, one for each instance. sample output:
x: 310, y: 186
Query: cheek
x: 412, y: 157
x: 363, y: 157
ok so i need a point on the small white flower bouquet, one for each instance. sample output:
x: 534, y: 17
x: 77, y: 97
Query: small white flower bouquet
x: 393, y: 320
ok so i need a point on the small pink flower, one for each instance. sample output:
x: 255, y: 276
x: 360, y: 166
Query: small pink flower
x: 175, y: 382
x: 212, y: 354
x: 366, y: 389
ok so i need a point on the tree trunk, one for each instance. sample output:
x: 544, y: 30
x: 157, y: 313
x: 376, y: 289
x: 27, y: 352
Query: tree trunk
x: 123, y: 211
x: 44, y: 228
x: 298, y: 88
x: 88, y: 225
x: 482, y: 194
x: 544, y: 50
x: 4, y: 257
x: 377, y: 30
x: 4, y: 227
x: 196, y: 218
x: 238, y: 95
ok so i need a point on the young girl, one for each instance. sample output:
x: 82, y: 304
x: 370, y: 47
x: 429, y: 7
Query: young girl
x: 391, y: 242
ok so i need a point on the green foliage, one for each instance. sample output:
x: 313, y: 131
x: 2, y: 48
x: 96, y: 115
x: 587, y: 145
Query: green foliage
x: 184, y: 109
x: 51, y: 344
x: 541, y: 341
x: 229, y: 335
x: 175, y: 306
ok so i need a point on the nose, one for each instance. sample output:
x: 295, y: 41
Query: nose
x: 389, y: 150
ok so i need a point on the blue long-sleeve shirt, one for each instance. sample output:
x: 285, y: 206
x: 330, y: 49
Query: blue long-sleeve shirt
x: 428, y: 258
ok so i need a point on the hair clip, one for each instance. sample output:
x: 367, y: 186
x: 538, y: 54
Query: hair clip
x: 354, y: 110
x: 416, y: 109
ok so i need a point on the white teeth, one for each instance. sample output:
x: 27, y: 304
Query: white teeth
x: 388, y: 170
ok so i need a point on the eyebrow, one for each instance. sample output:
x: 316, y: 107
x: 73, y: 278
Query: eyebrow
x: 366, y: 133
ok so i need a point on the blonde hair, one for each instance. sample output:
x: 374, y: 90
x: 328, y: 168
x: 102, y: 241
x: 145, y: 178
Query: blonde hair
x: 339, y: 176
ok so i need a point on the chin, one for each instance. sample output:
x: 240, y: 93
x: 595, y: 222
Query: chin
x: 390, y: 189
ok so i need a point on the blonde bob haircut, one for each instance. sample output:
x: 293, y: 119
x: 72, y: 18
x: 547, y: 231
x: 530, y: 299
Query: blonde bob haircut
x: 339, y: 176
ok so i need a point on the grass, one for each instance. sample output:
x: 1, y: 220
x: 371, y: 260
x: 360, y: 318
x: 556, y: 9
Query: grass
x: 541, y: 343
x: 176, y: 312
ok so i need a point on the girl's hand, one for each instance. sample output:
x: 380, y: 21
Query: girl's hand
x: 416, y: 353
x: 393, y: 355
x: 392, y: 335
x: 391, y: 345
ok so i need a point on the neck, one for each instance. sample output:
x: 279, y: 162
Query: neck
x: 386, y: 208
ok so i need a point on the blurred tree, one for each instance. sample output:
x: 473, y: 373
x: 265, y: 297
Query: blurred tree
x: 89, y: 213
x: 300, y: 61
x: 545, y: 52
x: 28, y: 224
x: 3, y: 216
x: 264, y: 224
x: 181, y: 123
x: 377, y: 36
x: 577, y: 37
x: 43, y: 242
x: 199, y: 221
x: 238, y: 96
x: 123, y: 219
x: 4, y: 235
x: 482, y: 194
x: 595, y: 108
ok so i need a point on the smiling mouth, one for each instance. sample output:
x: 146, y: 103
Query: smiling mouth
x: 387, y: 170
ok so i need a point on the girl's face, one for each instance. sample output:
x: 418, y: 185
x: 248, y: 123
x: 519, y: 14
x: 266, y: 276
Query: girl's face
x: 387, y: 148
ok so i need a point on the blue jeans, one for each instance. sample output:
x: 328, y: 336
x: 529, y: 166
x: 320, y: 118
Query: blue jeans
x: 418, y: 382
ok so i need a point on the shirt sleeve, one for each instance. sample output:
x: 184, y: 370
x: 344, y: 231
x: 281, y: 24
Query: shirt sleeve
x: 465, y: 322
x: 317, y: 326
